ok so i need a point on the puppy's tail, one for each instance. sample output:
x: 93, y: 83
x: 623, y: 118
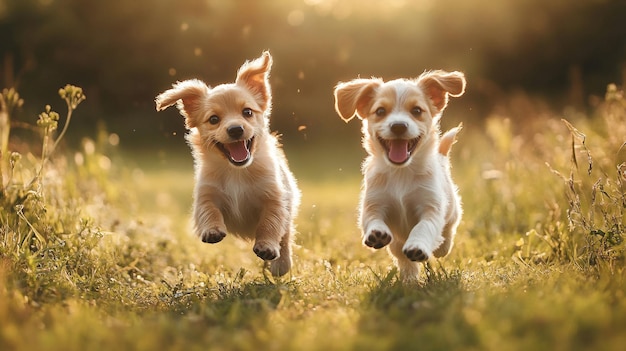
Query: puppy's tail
x: 448, y: 139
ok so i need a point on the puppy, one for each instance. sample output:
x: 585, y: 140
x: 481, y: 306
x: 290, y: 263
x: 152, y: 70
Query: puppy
x: 243, y: 185
x: 408, y: 198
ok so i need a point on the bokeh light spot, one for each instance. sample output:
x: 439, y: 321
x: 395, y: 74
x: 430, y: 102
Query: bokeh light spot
x: 89, y: 146
x: 114, y: 139
x: 104, y: 163
x: 79, y: 159
x: 295, y: 18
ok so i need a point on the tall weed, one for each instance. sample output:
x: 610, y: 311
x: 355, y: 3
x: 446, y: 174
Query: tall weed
x: 45, y: 240
x: 594, y: 188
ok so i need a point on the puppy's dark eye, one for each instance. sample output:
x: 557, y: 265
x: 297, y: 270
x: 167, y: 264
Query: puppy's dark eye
x: 380, y: 112
x: 416, y: 111
x: 246, y: 112
x: 214, y: 119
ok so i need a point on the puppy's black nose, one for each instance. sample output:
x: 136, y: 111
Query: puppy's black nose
x: 399, y: 128
x: 235, y: 132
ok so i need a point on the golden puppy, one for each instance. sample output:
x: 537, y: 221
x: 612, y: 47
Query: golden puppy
x: 408, y: 199
x: 243, y: 185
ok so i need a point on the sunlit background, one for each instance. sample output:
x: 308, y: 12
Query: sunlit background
x: 123, y: 53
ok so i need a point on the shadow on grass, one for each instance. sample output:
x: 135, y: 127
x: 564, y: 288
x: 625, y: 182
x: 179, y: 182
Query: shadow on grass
x: 231, y: 305
x: 425, y: 316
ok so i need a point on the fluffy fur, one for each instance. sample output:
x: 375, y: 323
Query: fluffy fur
x: 243, y: 185
x: 408, y: 200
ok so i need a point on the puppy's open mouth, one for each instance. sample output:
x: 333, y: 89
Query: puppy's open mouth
x: 238, y: 152
x: 399, y: 150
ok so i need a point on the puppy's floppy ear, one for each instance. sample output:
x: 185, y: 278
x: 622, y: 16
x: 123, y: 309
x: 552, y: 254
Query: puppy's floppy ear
x: 254, y: 75
x: 189, y: 97
x: 439, y: 84
x: 354, y: 96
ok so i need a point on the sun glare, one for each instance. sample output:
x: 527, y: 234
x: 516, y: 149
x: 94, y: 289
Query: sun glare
x: 341, y: 9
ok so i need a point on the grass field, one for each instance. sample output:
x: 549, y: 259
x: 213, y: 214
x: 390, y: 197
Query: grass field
x: 97, y: 252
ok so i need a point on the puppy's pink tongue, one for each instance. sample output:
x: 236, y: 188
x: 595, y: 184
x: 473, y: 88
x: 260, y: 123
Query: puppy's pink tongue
x: 398, y: 150
x: 238, y: 151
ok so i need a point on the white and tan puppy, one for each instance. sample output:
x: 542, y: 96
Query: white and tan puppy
x: 408, y: 198
x: 243, y: 185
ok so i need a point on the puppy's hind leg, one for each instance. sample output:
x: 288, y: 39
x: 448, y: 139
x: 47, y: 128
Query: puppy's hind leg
x: 449, y: 230
x: 409, y: 270
x: 282, y: 264
x: 287, y: 212
x: 448, y: 240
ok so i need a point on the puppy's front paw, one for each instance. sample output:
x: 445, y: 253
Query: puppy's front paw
x: 377, y: 239
x: 212, y: 236
x: 415, y: 253
x: 266, y: 251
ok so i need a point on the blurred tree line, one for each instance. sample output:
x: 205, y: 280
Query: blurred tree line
x: 123, y: 53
